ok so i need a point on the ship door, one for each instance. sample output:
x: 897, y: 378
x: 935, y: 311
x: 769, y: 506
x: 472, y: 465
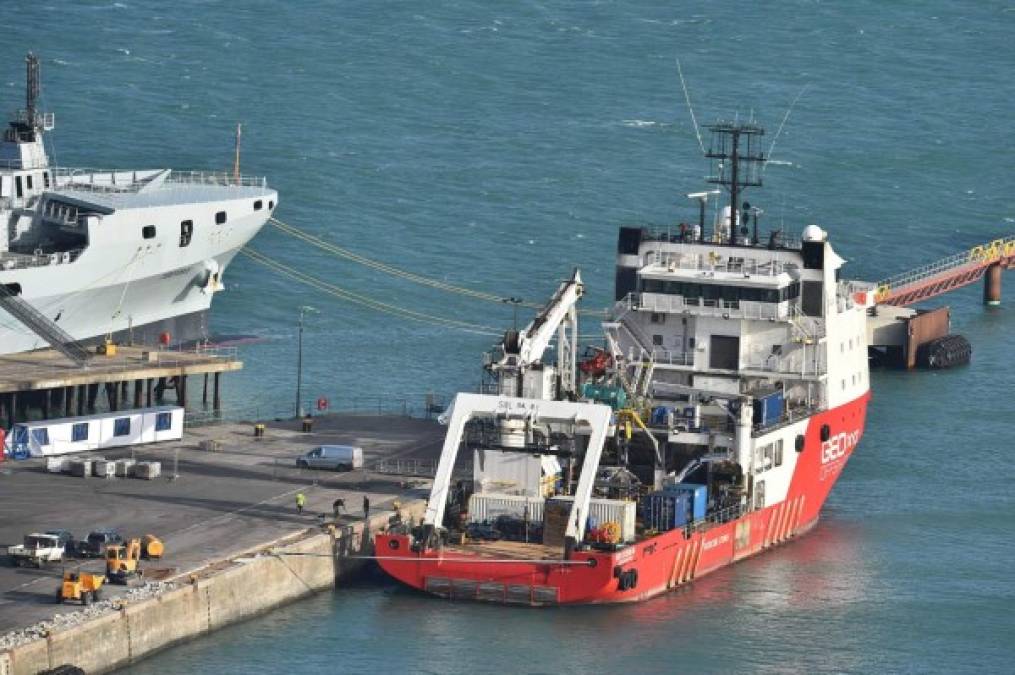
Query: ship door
x: 724, y: 352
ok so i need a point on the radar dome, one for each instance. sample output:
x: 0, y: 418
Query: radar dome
x: 813, y: 233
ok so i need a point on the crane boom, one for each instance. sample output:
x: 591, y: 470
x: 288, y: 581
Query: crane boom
x: 523, y: 351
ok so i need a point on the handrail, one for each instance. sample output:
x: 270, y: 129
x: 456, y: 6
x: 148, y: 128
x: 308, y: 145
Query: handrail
x: 105, y: 180
x: 974, y: 258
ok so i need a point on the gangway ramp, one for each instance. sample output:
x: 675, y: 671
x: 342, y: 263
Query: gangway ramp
x: 42, y: 326
x: 947, y: 274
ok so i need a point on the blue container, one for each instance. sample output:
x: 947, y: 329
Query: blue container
x: 659, y: 416
x: 695, y: 494
x: 664, y: 511
x: 768, y: 409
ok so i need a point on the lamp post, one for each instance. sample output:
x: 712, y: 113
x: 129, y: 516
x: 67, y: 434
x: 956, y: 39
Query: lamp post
x: 304, y: 309
x: 514, y: 302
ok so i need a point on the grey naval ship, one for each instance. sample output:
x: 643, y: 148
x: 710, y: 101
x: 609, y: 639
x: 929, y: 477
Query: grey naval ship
x: 124, y: 255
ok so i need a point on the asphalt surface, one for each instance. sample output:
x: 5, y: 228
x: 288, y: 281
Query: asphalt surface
x: 220, y: 504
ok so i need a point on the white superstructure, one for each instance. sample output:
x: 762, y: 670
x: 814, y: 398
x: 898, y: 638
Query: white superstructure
x: 129, y: 254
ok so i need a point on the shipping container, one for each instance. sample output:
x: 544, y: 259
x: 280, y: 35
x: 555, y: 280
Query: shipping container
x: 664, y: 511
x: 698, y: 495
x: 768, y: 408
x: 620, y: 511
x: 485, y: 507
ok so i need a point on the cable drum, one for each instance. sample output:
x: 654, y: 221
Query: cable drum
x: 944, y: 352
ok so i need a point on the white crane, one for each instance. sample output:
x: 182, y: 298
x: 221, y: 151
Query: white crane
x: 520, y: 369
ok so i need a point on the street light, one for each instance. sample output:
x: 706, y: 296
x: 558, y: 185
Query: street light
x: 514, y: 302
x: 304, y: 309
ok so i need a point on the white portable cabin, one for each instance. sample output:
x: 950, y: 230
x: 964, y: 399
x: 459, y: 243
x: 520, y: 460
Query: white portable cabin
x: 97, y: 432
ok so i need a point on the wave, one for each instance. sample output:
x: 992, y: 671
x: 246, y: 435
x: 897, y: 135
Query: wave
x: 639, y: 124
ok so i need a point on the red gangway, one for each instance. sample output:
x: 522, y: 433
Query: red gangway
x: 946, y: 274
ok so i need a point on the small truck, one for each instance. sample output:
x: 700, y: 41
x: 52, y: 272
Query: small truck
x: 38, y: 549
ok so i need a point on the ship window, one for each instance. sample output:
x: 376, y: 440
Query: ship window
x: 220, y: 217
x: 3, y: 186
x: 658, y: 317
x: 45, y: 179
x: 657, y: 340
x: 186, y: 232
x: 724, y: 353
x: 271, y: 205
x: 28, y: 178
x: 17, y: 187
x: 768, y: 456
x: 258, y: 204
x: 778, y: 452
x: 811, y: 301
x: 148, y: 231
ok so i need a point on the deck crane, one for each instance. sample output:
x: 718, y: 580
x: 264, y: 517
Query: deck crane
x: 517, y: 363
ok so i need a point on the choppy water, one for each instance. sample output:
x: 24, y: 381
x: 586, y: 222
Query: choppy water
x: 496, y: 145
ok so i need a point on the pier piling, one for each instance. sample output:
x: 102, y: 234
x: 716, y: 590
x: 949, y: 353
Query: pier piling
x: 992, y: 285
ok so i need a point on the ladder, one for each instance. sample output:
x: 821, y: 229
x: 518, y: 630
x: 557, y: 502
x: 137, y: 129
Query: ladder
x: 42, y: 326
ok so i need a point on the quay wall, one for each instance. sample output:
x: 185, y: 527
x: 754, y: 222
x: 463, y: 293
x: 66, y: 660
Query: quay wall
x: 224, y: 593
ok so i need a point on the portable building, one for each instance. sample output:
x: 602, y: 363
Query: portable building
x: 97, y: 432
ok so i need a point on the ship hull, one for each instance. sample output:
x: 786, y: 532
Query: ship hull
x: 652, y: 566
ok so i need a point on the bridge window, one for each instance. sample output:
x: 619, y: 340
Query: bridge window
x: 28, y: 179
x: 693, y: 293
x: 148, y: 231
x: 220, y: 218
x: 186, y: 232
x: 45, y: 179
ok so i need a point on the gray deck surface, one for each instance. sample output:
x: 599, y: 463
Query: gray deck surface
x: 222, y: 503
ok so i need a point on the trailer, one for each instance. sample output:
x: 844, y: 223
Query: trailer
x: 96, y: 432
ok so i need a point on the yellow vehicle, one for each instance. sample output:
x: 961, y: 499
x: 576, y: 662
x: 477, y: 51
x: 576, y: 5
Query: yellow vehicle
x: 152, y: 547
x: 122, y: 562
x: 80, y: 586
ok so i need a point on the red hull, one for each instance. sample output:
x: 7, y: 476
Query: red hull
x: 660, y: 563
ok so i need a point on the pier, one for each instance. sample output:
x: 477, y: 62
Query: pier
x: 235, y: 543
x: 45, y: 383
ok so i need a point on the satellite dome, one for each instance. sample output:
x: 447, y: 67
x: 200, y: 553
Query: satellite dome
x: 813, y: 233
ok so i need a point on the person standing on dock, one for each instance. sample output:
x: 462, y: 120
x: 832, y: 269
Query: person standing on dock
x: 366, y: 506
x: 337, y: 507
x: 301, y: 499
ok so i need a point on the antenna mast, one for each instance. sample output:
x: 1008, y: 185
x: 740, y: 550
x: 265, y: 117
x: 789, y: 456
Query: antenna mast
x: 738, y: 161
x: 236, y: 161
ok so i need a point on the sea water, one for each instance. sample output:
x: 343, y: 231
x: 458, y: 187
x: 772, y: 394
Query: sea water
x: 495, y: 146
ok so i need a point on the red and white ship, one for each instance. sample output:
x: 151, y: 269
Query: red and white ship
x: 729, y: 394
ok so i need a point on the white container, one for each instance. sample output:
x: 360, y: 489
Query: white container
x: 55, y: 464
x: 485, y: 507
x: 622, y: 512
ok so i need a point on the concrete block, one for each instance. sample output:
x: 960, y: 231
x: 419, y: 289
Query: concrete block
x: 54, y: 465
x: 82, y: 468
x: 104, y: 468
x: 147, y: 470
x: 124, y: 467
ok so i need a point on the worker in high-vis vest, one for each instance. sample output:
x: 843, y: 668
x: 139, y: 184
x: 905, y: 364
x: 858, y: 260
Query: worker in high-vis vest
x: 301, y: 499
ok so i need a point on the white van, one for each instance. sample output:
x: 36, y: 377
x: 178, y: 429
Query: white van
x: 334, y: 457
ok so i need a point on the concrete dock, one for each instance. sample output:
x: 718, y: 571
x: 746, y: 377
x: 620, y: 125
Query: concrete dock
x: 220, y: 504
x: 46, y: 381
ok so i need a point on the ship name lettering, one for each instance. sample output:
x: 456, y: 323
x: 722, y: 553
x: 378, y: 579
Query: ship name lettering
x: 837, y: 446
